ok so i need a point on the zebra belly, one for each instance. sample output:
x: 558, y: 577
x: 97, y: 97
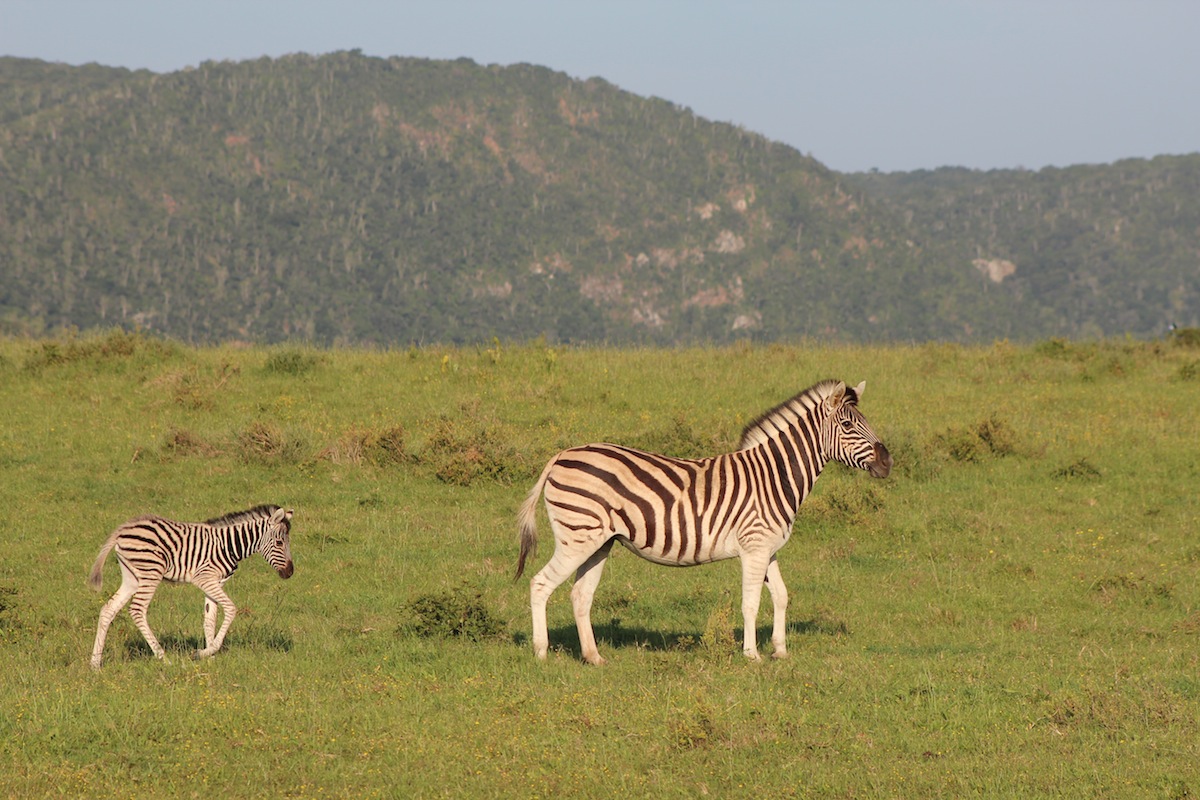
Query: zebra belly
x: 688, y: 560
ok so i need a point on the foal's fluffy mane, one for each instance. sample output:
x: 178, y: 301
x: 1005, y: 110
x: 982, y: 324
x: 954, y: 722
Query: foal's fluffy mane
x: 258, y: 512
x: 785, y: 415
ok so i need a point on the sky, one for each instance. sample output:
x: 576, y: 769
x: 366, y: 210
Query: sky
x: 893, y: 85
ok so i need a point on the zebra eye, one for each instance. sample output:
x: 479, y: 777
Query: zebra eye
x: 847, y: 425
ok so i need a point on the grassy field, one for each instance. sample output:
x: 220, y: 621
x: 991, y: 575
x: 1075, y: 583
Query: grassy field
x: 1014, y: 612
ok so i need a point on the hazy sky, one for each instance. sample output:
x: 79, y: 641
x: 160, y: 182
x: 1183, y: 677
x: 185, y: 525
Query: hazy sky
x: 892, y: 84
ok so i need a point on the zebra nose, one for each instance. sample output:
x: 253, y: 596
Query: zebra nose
x: 287, y: 570
x: 882, y: 465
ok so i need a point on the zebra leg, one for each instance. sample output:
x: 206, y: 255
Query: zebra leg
x: 138, y: 608
x: 587, y: 577
x: 210, y: 619
x: 754, y: 573
x: 214, y: 594
x: 109, y: 612
x: 567, y: 559
x: 779, y: 598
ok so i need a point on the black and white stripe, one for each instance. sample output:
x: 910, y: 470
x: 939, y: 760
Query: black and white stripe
x: 682, y: 512
x: 153, y: 549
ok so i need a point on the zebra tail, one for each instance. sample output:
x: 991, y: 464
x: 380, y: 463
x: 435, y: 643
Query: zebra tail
x: 527, y: 519
x: 96, y: 578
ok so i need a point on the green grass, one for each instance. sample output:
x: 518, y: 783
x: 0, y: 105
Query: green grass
x: 1014, y: 612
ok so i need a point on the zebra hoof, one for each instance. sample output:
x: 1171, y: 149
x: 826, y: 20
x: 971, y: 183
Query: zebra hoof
x: 779, y: 654
x: 95, y: 664
x: 752, y: 655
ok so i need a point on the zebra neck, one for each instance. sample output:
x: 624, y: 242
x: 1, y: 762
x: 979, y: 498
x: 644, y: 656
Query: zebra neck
x: 240, y: 541
x: 799, y: 450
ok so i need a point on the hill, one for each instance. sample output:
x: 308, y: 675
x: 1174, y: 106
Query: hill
x: 1085, y: 251
x: 345, y: 198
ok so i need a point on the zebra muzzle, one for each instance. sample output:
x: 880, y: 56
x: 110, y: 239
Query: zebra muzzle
x: 287, y: 570
x: 882, y: 465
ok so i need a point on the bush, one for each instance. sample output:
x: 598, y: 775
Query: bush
x: 1054, y: 348
x: 265, y: 443
x: 382, y: 448
x: 458, y: 612
x: 997, y: 435
x: 992, y: 436
x: 1186, y: 337
x: 387, y: 447
x: 182, y: 443
x: 116, y: 346
x: 291, y: 362
x: 462, y: 456
x: 1078, y: 470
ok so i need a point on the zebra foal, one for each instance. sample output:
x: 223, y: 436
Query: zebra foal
x: 152, y: 549
x: 682, y: 512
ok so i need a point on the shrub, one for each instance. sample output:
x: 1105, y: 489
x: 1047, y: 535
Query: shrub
x: 1186, y: 337
x: 997, y: 435
x: 462, y: 456
x: 382, y: 448
x: 991, y: 436
x: 182, y: 443
x: 116, y: 346
x: 458, y: 612
x: 291, y: 362
x: 387, y: 447
x: 718, y: 638
x: 265, y: 443
x: 1078, y: 470
x: 915, y: 461
x: 693, y: 728
x: 1053, y: 348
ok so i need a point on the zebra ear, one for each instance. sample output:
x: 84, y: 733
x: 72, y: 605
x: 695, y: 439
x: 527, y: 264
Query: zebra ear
x: 858, y: 390
x: 279, y: 515
x: 836, y: 397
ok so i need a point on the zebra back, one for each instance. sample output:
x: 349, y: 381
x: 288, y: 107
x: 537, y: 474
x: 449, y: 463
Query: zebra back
x: 690, y: 511
x: 153, y: 545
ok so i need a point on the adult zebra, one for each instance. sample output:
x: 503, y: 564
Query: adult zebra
x: 153, y: 549
x: 683, y: 512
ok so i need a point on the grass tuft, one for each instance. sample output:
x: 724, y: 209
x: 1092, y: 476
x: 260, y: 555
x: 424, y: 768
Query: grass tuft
x: 267, y: 443
x: 115, y: 346
x: 464, y: 453
x: 460, y: 612
x: 970, y: 444
x: 1081, y: 470
x: 1186, y: 337
x: 291, y: 362
x: 182, y: 443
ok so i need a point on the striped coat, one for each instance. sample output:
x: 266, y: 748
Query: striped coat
x: 683, y: 512
x: 154, y: 549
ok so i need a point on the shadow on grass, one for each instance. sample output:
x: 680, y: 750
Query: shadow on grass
x: 616, y: 635
x: 181, y: 646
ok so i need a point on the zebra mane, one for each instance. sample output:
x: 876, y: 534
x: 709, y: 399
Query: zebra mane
x: 785, y: 415
x: 256, y: 513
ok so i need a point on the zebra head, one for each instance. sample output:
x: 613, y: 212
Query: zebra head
x: 846, y: 436
x: 276, y: 545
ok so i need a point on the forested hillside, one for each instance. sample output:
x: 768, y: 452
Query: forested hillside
x: 1083, y: 251
x: 345, y: 198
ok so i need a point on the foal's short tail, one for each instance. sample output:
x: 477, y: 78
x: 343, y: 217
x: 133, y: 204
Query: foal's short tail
x: 527, y: 519
x: 96, y: 578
